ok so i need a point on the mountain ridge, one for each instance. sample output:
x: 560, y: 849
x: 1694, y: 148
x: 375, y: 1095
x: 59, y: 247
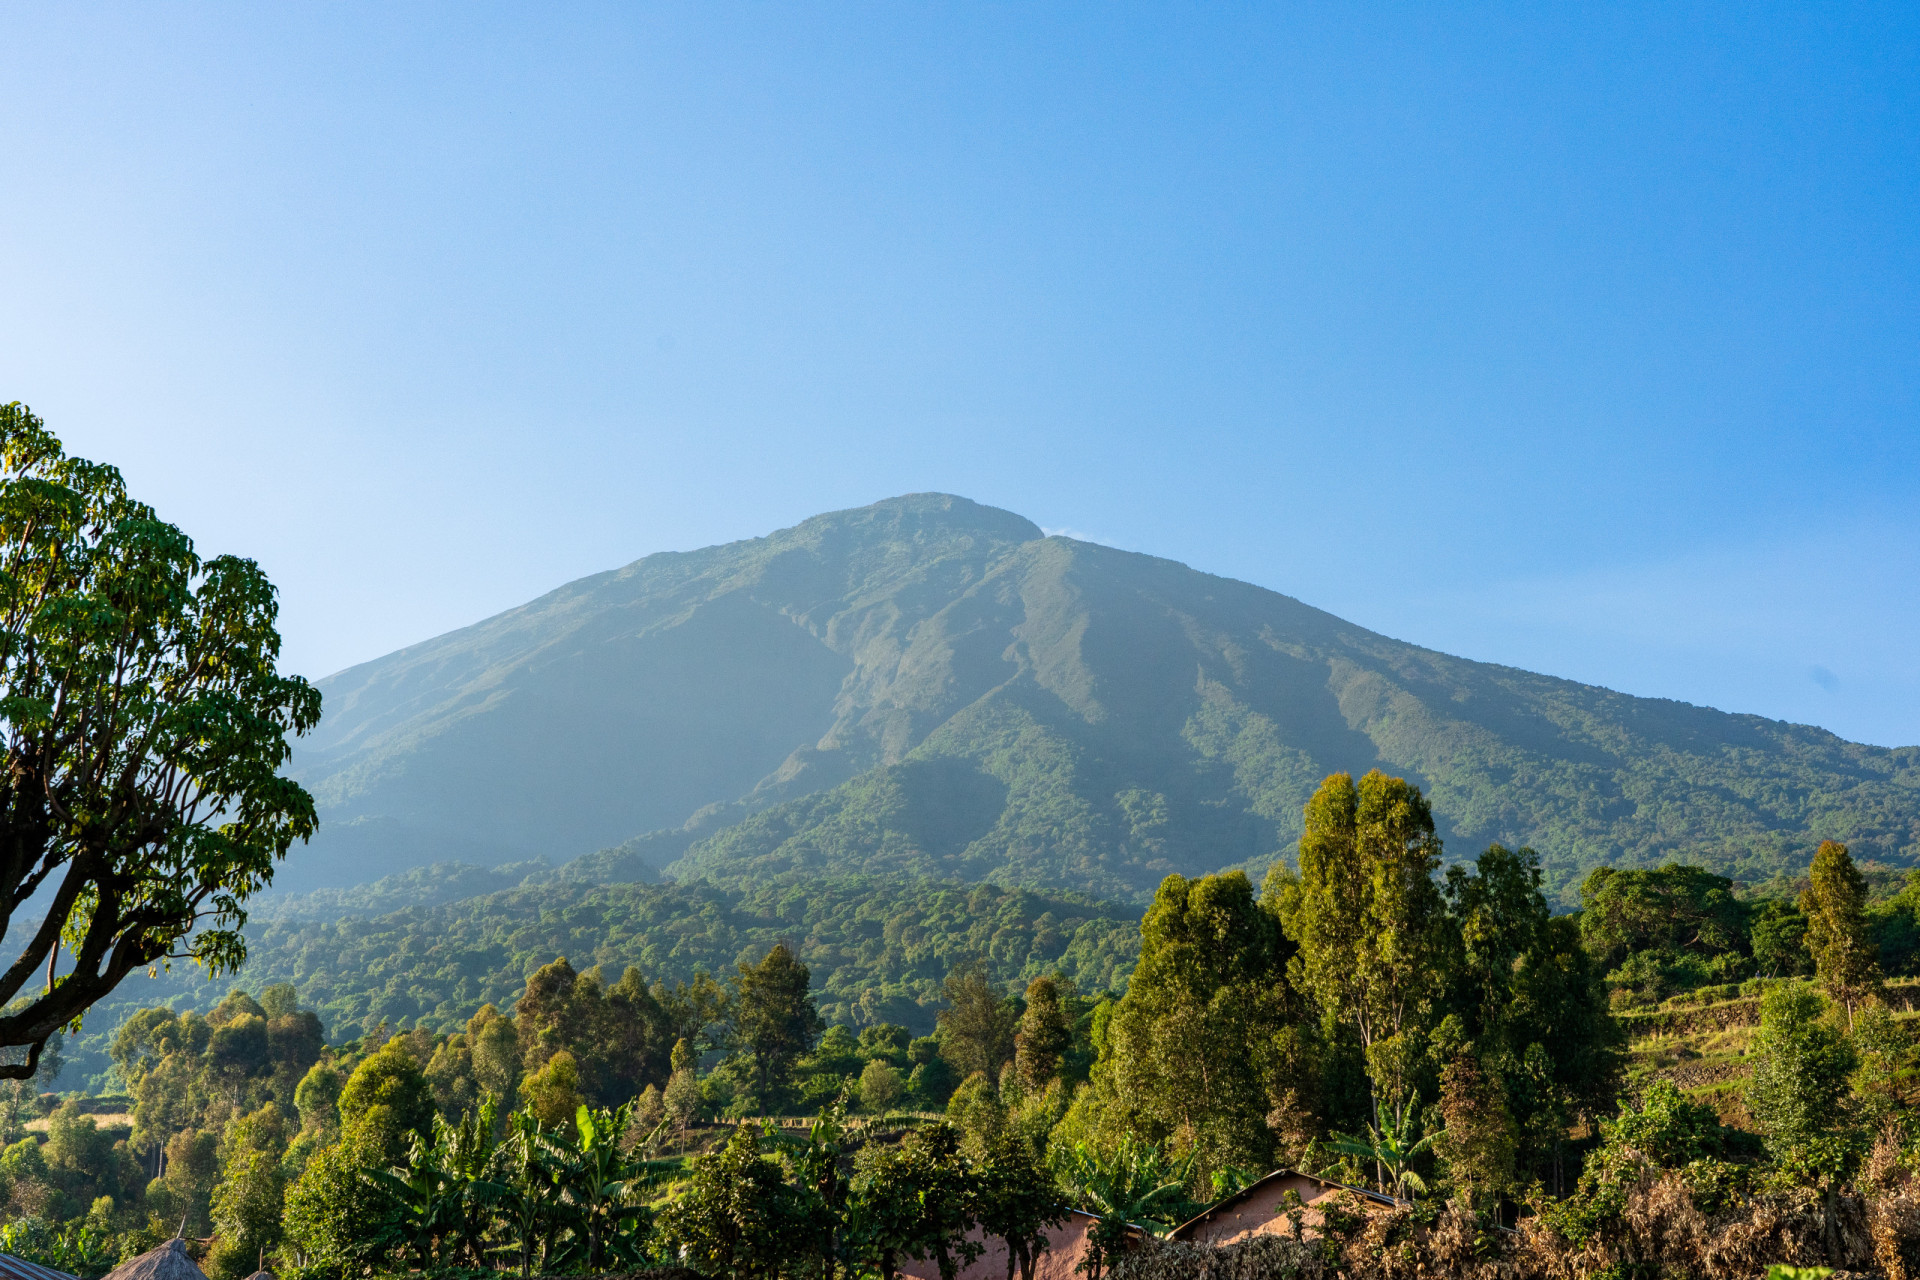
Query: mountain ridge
x: 857, y: 693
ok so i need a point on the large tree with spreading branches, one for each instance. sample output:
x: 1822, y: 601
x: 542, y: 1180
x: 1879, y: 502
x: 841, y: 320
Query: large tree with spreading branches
x: 145, y: 723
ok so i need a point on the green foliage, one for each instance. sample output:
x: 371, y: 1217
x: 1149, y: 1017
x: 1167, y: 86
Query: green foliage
x: 1188, y: 1047
x: 1799, y: 1090
x: 1835, y: 907
x: 1370, y: 924
x: 147, y: 723
x: 774, y: 1022
x: 388, y: 1102
x: 1133, y: 1181
x: 1779, y: 938
x: 978, y: 1026
x: 1664, y: 909
x: 1388, y: 1150
x: 737, y: 1215
x: 1027, y: 710
x: 878, y: 952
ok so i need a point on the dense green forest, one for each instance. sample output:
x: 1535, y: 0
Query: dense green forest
x: 878, y: 949
x: 559, y: 1080
x: 932, y: 688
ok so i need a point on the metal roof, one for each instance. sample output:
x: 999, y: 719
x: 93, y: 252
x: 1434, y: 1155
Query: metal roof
x: 13, y: 1267
x: 1391, y: 1202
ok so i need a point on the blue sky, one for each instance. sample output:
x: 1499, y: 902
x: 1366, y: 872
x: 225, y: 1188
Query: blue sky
x: 1581, y: 338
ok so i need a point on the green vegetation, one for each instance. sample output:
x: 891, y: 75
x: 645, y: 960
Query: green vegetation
x: 878, y: 950
x: 929, y: 689
x: 1432, y: 1031
x: 145, y: 724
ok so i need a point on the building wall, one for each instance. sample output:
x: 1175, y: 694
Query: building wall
x: 1066, y: 1248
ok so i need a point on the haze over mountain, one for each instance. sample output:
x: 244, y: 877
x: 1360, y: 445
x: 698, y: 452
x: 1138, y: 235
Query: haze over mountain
x: 932, y: 687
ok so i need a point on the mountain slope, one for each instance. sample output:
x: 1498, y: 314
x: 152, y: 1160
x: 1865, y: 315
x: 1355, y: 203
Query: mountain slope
x: 930, y: 687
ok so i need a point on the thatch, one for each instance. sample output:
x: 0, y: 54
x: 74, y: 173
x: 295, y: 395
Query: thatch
x: 168, y: 1262
x: 262, y: 1274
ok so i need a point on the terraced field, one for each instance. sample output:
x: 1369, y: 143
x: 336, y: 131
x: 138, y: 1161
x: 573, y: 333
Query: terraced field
x: 1702, y: 1047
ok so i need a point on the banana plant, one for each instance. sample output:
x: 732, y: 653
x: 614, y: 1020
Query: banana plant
x: 1135, y: 1182
x: 1391, y: 1148
x: 530, y: 1193
x: 442, y: 1202
x: 598, y: 1182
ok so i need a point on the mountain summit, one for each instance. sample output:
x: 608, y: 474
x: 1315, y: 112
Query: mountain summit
x: 928, y: 686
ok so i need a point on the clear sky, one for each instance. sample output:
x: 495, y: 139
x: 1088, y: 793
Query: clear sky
x: 1582, y: 338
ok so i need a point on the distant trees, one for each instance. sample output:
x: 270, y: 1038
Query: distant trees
x: 978, y: 1025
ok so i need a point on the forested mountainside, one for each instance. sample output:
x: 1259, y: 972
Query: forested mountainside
x: 930, y: 687
x: 878, y: 949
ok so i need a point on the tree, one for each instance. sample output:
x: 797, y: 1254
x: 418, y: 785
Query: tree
x: 1187, y: 1044
x: 1533, y: 1005
x: 1017, y: 1200
x: 1045, y: 1034
x: 334, y: 1216
x: 977, y: 1026
x: 915, y: 1200
x: 1798, y: 1092
x: 1779, y: 940
x: 551, y: 1095
x: 681, y: 1099
x: 1671, y: 909
x: 1373, y: 935
x: 1392, y: 1147
x: 250, y: 1200
x: 1477, y: 1144
x: 387, y: 1099
x: 619, y: 1037
x: 494, y: 1045
x: 737, y: 1215
x: 880, y: 1086
x: 774, y: 1021
x: 1835, y: 907
x: 145, y: 724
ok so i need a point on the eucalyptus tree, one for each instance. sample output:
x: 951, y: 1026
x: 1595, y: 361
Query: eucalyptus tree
x: 1376, y: 945
x: 145, y: 722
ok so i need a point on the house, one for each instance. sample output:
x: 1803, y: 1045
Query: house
x: 1264, y: 1209
x: 1066, y: 1249
x: 168, y: 1262
x: 14, y: 1267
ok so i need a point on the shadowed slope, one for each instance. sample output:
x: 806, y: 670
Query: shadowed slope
x: 929, y: 687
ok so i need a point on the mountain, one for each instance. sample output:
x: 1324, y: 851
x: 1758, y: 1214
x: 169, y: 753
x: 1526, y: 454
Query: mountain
x: 932, y: 688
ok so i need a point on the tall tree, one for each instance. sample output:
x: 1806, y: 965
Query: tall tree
x: 1533, y: 1004
x: 1188, y: 1045
x: 774, y: 1021
x: 145, y: 724
x: 1835, y: 906
x: 1375, y: 943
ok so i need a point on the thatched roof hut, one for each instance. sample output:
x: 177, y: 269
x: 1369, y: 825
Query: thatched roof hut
x: 168, y: 1262
x: 262, y: 1274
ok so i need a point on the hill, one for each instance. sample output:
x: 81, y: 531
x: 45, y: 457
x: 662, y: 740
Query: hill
x: 878, y: 950
x: 931, y: 688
